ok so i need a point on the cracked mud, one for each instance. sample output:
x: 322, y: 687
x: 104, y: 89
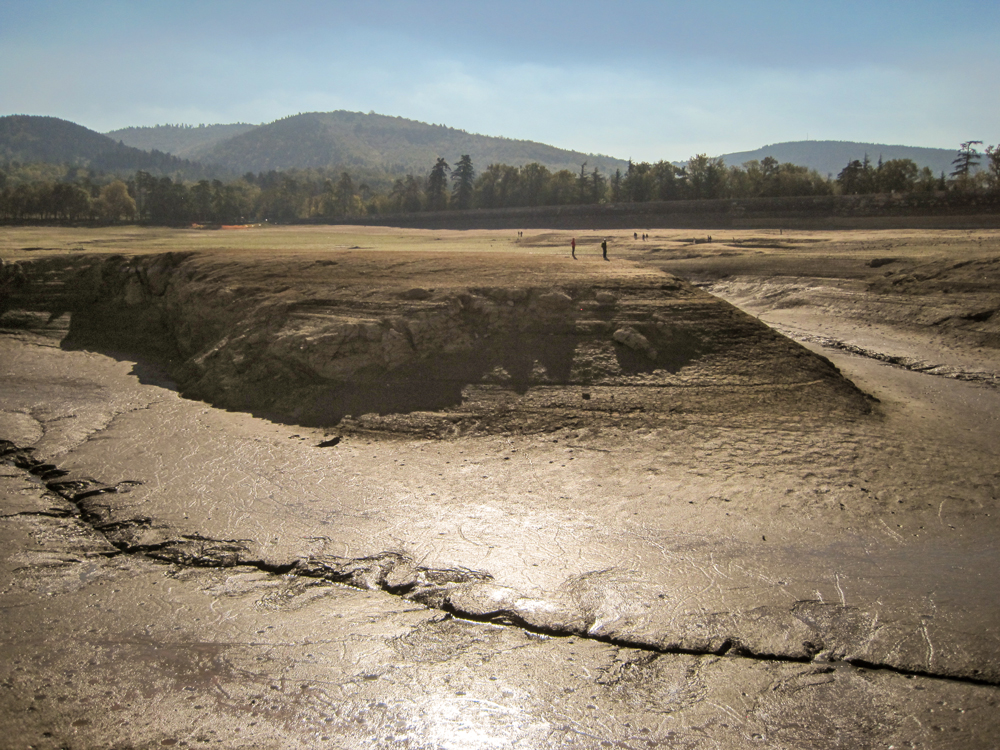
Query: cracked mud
x: 572, y: 505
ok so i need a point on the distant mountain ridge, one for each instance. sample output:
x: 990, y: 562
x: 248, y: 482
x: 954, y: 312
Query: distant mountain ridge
x: 830, y: 157
x: 184, y: 141
x: 32, y: 138
x: 355, y: 140
x: 366, y: 145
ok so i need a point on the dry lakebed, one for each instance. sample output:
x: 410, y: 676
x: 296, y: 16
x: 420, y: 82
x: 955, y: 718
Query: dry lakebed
x: 345, y: 487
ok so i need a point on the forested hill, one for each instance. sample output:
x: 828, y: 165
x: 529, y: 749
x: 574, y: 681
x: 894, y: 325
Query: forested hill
x: 352, y: 140
x: 830, y: 157
x: 30, y: 138
x: 371, y: 147
x: 185, y: 141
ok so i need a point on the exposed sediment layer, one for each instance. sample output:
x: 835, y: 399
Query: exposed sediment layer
x: 392, y: 337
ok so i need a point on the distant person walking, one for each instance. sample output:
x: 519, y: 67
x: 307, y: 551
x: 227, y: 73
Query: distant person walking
x: 604, y: 248
x: 572, y: 247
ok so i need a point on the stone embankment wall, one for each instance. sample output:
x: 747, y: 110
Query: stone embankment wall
x: 917, y: 210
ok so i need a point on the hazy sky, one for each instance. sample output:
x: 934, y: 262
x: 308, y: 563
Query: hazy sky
x: 646, y: 80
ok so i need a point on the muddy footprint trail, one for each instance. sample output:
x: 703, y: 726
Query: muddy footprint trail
x: 685, y: 526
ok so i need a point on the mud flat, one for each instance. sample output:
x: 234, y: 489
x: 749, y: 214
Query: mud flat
x: 473, y: 496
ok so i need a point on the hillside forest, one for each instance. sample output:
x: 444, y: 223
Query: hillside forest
x: 31, y: 193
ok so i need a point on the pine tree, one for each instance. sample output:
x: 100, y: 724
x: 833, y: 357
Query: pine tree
x: 597, y: 186
x: 437, y: 186
x: 966, y: 161
x: 464, y: 176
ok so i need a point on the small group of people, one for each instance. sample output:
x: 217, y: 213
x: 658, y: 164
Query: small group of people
x: 604, y: 248
x: 635, y: 235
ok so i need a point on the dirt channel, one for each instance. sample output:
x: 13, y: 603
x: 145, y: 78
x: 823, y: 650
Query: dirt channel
x: 353, y: 487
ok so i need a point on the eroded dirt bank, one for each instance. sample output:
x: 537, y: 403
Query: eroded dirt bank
x: 726, y: 557
x: 310, y: 342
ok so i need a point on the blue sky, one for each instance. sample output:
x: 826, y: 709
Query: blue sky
x: 641, y: 80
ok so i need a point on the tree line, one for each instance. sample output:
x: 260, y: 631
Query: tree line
x: 903, y: 176
x: 42, y: 193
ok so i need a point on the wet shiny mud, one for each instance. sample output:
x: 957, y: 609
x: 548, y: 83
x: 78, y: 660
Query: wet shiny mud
x: 179, y: 575
x: 118, y: 650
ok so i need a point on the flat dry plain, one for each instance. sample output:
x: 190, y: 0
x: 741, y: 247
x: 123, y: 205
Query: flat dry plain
x: 343, y: 487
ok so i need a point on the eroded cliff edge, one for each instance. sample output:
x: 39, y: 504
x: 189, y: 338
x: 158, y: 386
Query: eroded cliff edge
x: 404, y: 342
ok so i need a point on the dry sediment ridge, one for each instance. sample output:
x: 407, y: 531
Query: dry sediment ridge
x: 404, y: 342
